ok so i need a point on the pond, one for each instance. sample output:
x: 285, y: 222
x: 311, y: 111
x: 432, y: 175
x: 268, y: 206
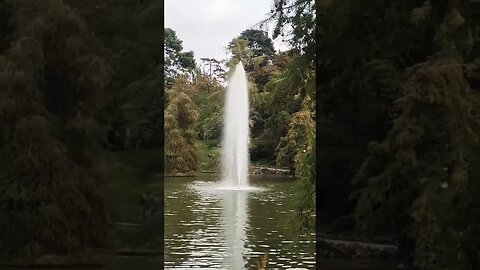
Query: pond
x: 221, y: 229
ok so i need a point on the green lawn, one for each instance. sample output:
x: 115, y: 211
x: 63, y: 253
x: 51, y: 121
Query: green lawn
x: 212, y: 147
x: 206, y: 148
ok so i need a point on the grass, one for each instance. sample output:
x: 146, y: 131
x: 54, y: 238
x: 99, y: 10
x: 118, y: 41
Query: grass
x: 209, y: 148
x: 212, y: 147
x: 263, y: 162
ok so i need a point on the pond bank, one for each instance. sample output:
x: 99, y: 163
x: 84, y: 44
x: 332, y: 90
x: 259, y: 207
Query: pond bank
x: 333, y: 248
x: 107, y: 260
x: 262, y: 170
x: 253, y: 170
x: 79, y: 260
x: 343, y: 264
x: 351, y: 253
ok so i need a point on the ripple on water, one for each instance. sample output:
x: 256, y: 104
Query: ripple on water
x: 209, y: 227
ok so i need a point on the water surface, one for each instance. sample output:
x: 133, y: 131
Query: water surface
x: 224, y: 229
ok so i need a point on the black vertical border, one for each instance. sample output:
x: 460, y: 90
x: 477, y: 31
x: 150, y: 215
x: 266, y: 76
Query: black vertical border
x: 317, y: 141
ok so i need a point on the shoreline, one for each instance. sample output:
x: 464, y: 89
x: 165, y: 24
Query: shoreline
x: 254, y: 171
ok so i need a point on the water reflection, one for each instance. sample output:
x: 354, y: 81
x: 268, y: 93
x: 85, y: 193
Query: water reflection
x: 210, y: 228
x: 235, y: 223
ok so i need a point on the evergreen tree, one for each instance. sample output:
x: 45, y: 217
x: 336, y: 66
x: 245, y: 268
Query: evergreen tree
x: 253, y: 47
x: 417, y: 182
x: 176, y: 62
x: 51, y: 86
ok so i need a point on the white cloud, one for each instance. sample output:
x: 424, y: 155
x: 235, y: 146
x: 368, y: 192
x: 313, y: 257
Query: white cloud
x: 207, y: 26
x: 218, y: 10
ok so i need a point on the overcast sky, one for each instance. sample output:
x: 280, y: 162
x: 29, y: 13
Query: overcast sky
x: 207, y: 26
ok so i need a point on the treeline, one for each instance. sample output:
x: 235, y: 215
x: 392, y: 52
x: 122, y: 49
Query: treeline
x: 398, y: 93
x: 77, y: 78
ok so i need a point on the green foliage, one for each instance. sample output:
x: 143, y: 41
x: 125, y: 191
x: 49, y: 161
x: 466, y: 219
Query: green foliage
x: 289, y: 97
x: 296, y: 20
x: 281, y: 97
x: 423, y: 166
x: 139, y: 107
x: 181, y: 116
x: 253, y: 47
x: 417, y: 182
x: 209, y: 99
x: 265, y: 129
x: 210, y: 155
x: 298, y: 148
x: 129, y: 32
x: 270, y: 108
x: 240, y: 52
x: 261, y: 73
x: 259, y: 41
x: 359, y: 78
x: 176, y: 62
x: 213, y: 68
x: 51, y: 82
x: 397, y: 78
x: 293, y: 148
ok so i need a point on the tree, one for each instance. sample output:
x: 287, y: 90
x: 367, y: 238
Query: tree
x: 259, y: 41
x: 253, y: 47
x: 213, y: 68
x: 181, y: 116
x: 298, y: 148
x: 52, y: 81
x: 418, y: 180
x: 176, y: 62
x: 209, y: 99
x: 129, y: 32
x: 358, y: 79
x: 240, y: 52
x: 295, y: 20
x: 272, y: 109
x: 290, y: 95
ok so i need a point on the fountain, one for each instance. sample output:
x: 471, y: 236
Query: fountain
x: 235, y: 138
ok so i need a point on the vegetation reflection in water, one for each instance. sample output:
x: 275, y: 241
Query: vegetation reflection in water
x: 214, y: 228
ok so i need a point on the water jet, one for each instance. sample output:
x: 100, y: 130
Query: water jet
x: 235, y: 137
